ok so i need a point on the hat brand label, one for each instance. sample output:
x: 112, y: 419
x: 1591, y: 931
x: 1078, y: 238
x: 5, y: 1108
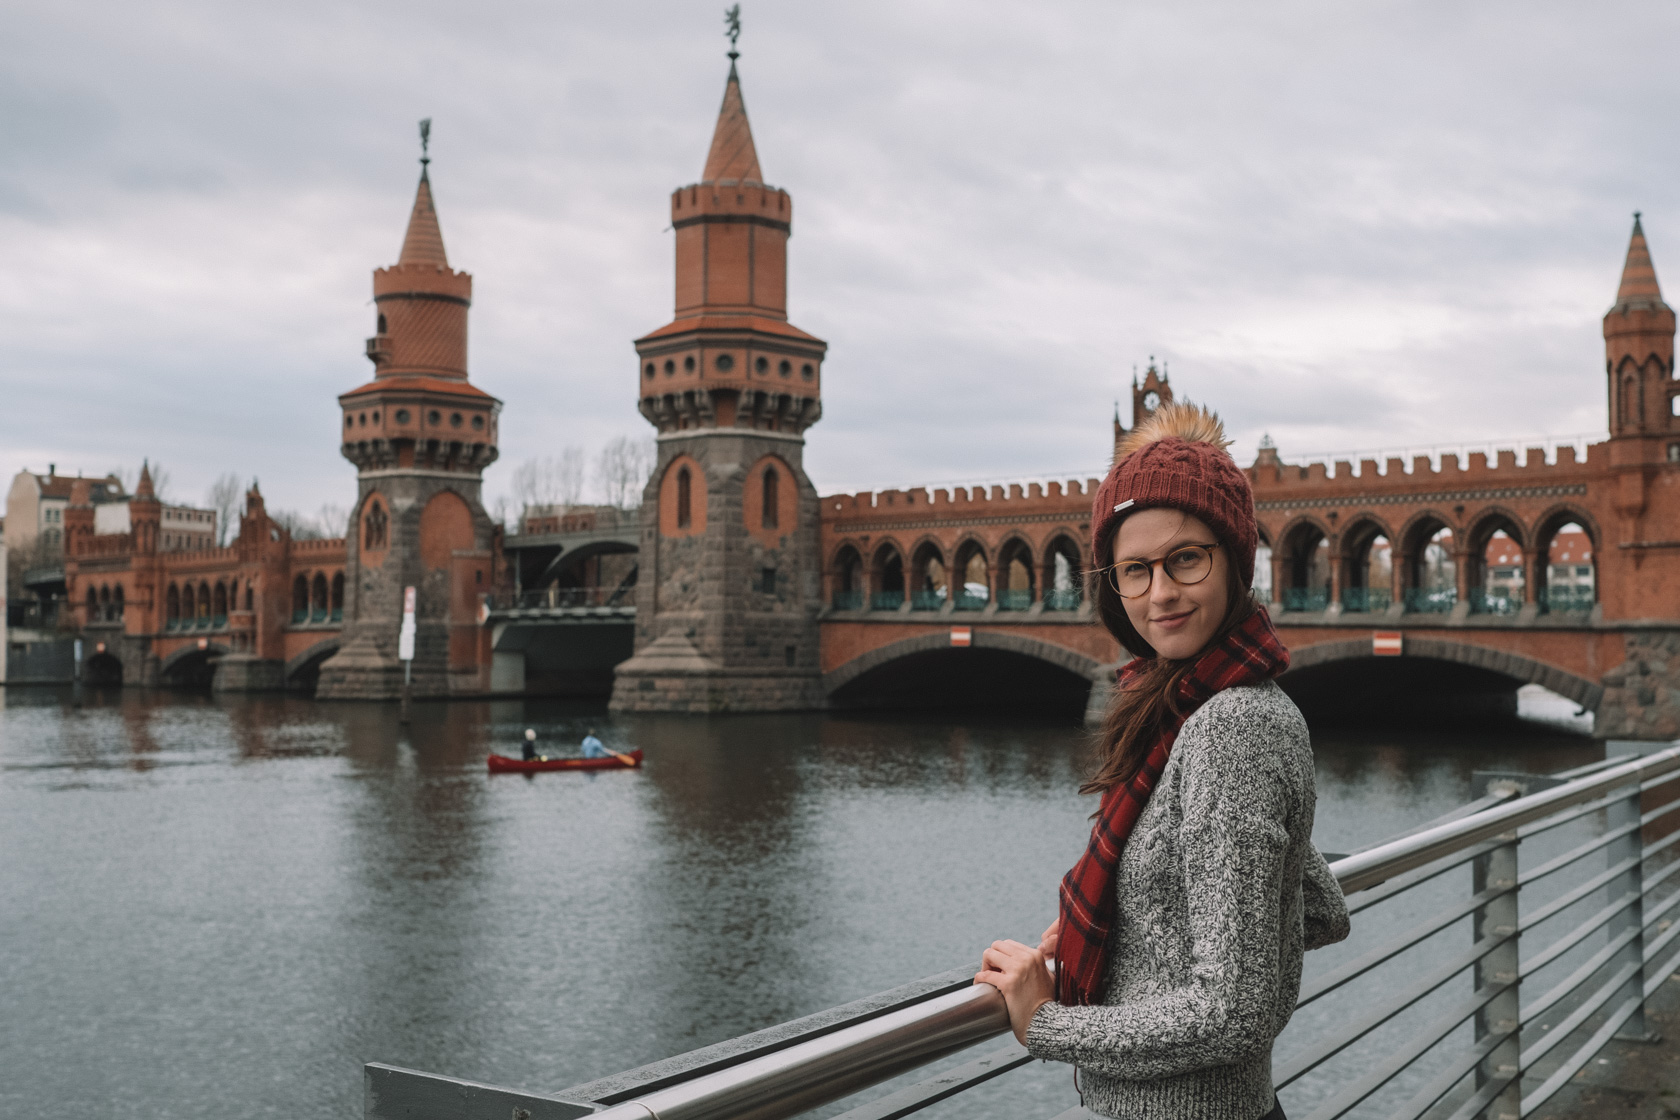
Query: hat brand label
x: 1124, y: 504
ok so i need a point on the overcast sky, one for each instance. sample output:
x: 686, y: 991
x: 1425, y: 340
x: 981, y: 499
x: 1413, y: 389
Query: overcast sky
x: 1348, y: 225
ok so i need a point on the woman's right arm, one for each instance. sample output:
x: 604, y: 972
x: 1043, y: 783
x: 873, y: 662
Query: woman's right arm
x: 1324, y: 915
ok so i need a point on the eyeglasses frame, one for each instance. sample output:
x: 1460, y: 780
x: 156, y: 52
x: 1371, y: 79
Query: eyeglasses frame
x: 1111, y: 573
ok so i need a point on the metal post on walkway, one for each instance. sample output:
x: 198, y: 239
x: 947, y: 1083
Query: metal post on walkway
x: 1628, y: 851
x: 1496, y: 871
x: 405, y: 649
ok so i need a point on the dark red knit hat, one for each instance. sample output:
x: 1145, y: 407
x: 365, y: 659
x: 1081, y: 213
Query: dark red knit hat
x: 1177, y: 460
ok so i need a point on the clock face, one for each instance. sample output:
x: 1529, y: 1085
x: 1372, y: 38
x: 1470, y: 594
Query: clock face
x: 1152, y: 400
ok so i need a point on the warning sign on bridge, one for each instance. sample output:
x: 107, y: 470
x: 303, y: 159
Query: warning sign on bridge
x: 1387, y: 643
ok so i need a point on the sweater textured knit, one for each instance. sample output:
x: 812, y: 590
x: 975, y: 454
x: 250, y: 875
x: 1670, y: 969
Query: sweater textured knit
x: 1219, y: 893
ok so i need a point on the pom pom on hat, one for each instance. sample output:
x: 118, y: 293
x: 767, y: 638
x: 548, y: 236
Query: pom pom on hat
x: 1177, y: 459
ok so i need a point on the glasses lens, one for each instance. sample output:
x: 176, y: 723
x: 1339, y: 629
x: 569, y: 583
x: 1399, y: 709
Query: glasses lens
x: 1131, y: 579
x: 1190, y: 565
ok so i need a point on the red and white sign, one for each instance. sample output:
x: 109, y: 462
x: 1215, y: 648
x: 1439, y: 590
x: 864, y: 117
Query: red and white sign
x: 962, y: 636
x: 1387, y: 643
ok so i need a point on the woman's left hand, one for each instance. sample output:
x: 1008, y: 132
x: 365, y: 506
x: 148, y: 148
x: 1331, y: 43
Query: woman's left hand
x: 1019, y: 972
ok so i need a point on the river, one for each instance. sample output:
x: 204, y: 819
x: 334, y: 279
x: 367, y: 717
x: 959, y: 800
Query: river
x: 215, y: 907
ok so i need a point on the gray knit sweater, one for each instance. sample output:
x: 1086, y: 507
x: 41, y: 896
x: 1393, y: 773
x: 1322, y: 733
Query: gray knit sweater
x: 1220, y: 892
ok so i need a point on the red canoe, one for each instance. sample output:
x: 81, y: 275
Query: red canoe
x: 502, y: 764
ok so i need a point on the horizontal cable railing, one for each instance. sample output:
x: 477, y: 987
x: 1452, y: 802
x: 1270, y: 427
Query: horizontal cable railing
x: 1492, y: 1026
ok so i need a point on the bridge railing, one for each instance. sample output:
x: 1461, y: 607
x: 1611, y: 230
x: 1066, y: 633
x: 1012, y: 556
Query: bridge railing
x: 560, y: 598
x: 1495, y: 951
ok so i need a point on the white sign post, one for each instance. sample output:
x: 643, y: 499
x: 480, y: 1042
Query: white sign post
x: 405, y: 647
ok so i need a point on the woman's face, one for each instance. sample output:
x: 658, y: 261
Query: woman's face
x: 1176, y: 619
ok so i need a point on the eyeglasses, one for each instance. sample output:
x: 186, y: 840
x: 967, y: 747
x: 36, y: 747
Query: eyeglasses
x: 1186, y: 566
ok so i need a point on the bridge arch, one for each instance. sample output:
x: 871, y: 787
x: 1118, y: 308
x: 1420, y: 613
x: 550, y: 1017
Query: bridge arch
x: 191, y: 666
x: 1322, y: 677
x: 302, y: 670
x: 998, y: 667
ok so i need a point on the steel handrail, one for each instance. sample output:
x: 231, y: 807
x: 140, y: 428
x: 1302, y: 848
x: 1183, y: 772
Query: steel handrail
x: 824, y: 1069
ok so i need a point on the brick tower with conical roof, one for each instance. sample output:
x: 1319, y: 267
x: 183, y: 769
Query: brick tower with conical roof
x: 728, y: 590
x: 1639, y: 347
x: 420, y: 435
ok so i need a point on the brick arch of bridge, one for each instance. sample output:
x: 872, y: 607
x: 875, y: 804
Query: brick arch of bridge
x: 1570, y: 685
x: 1060, y: 656
x: 315, y: 654
x: 172, y: 663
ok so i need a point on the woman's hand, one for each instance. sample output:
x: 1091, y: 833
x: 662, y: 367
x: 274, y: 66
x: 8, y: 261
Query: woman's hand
x: 1047, y: 943
x: 1022, y: 976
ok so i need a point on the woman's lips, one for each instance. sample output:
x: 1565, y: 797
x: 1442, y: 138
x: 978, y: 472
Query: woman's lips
x: 1171, y: 621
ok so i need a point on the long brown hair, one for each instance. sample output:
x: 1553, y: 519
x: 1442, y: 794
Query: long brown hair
x: 1138, y: 713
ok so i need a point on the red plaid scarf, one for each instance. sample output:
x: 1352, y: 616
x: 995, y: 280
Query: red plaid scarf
x: 1249, y: 654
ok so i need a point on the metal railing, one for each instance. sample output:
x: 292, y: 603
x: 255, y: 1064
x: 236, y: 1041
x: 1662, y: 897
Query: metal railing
x: 1505, y: 976
x: 1366, y: 599
x: 564, y: 598
x: 1306, y: 598
x: 1423, y: 600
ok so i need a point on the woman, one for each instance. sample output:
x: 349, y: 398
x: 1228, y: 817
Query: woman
x: 1178, y: 946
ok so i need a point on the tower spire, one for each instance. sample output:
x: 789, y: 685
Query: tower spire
x: 732, y: 155
x: 423, y: 242
x: 1639, y: 276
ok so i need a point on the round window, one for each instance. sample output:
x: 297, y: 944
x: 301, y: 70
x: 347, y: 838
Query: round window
x: 478, y: 423
x: 362, y: 419
x: 649, y: 369
x: 807, y: 372
x: 434, y: 417
x: 455, y: 420
x: 724, y: 363
x: 376, y: 418
x: 762, y: 365
x: 402, y: 415
x: 670, y: 367
x: 785, y: 369
x: 349, y: 421
x: 688, y: 363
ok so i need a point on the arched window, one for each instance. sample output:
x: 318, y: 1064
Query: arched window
x: 888, y: 592
x: 1569, y: 575
x: 92, y: 605
x: 1306, y: 569
x: 974, y: 577
x: 772, y: 484
x: 319, y: 607
x: 1367, y: 568
x: 374, y: 526
x: 338, y: 597
x: 685, y: 499
x: 929, y: 585
x: 172, y: 605
x: 848, y: 580
x: 204, y: 600
x: 249, y: 599
x: 381, y: 327
x: 117, y: 601
x: 1064, y: 580
x: 300, y: 599
x: 189, y: 608
x: 1015, y: 573
x: 220, y: 609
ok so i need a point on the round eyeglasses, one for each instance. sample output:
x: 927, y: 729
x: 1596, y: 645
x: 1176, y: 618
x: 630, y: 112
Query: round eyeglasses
x: 1186, y: 566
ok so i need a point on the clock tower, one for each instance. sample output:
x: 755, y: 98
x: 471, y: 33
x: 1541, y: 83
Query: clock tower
x: 1147, y: 396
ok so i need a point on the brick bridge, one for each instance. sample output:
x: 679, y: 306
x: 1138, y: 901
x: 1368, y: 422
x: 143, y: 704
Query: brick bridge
x: 753, y: 592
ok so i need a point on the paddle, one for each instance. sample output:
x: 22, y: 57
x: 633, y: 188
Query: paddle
x: 624, y: 758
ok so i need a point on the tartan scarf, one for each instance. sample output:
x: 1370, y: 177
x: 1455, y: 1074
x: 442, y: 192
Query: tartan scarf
x: 1249, y: 654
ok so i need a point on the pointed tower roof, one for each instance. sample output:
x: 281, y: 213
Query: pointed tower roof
x: 1639, y: 276
x: 733, y: 155
x: 143, y: 488
x: 423, y: 243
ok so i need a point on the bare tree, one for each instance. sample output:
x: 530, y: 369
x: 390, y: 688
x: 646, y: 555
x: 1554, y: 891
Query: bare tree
x: 223, y: 497
x: 622, y: 470
x: 553, y: 481
x: 300, y: 527
x: 161, y: 482
x: 333, y: 520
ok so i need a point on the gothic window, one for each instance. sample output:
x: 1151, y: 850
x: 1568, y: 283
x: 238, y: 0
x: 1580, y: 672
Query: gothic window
x: 92, y: 605
x: 172, y: 603
x: 685, y: 504
x: 220, y: 608
x: 248, y: 597
x: 381, y: 328
x: 772, y: 484
x: 318, y: 611
x: 300, y: 599
x: 374, y: 526
x: 204, y: 600
x: 189, y: 609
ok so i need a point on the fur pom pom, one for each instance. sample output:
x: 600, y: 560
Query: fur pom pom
x: 1178, y: 420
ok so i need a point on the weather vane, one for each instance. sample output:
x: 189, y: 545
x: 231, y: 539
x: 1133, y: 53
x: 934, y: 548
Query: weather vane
x: 425, y: 141
x: 732, y: 25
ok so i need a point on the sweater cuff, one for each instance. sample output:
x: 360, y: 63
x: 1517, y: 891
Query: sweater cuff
x: 1051, y: 1033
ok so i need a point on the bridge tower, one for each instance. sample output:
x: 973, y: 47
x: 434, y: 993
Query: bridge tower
x: 1639, y: 352
x: 729, y: 585
x: 420, y: 435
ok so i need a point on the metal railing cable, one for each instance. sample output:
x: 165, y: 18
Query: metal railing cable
x: 1392, y: 1048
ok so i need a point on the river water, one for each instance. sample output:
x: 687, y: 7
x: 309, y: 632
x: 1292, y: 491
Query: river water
x: 216, y: 907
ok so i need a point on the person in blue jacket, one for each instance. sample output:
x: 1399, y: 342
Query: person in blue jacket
x: 593, y: 747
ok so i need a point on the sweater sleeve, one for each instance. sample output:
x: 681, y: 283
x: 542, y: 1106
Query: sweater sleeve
x: 1234, y: 842
x: 1324, y: 913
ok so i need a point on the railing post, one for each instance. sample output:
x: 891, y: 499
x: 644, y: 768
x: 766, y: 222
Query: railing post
x: 1497, y: 870
x: 1622, y: 812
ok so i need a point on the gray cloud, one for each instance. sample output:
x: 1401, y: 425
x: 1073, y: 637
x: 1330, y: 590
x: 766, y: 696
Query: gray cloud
x: 1347, y: 226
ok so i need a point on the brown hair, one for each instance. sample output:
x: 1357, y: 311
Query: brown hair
x: 1138, y: 713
